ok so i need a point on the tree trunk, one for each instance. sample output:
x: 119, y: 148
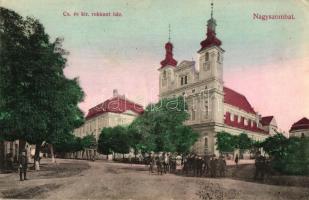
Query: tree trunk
x: 106, y: 156
x: 37, y: 157
x: 51, y: 147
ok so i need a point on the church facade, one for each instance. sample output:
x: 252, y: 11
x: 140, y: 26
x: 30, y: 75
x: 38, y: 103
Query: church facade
x: 213, y: 107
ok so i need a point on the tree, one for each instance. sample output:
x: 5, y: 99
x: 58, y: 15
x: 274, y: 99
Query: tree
x: 88, y: 141
x: 225, y: 142
x: 135, y: 138
x: 243, y: 142
x: 183, y: 138
x: 276, y: 145
x: 288, y: 155
x: 120, y: 140
x: 161, y: 127
x: 68, y: 143
x: 39, y: 102
x: 105, y: 145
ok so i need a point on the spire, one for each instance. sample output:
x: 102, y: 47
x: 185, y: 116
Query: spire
x: 169, y: 60
x: 169, y: 33
x: 212, y: 8
x: 211, y: 39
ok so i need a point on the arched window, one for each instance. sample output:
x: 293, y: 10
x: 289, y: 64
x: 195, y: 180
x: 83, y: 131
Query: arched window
x: 164, y: 74
x: 206, y: 56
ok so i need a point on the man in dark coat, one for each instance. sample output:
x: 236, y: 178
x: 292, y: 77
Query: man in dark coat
x: 23, y: 165
x: 222, y: 166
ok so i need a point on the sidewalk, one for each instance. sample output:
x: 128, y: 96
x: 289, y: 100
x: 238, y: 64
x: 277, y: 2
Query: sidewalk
x: 240, y: 162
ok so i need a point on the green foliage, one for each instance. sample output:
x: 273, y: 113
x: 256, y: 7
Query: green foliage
x: 183, y: 139
x: 120, y: 140
x: 275, y: 146
x: 228, y: 143
x: 88, y: 141
x: 161, y: 128
x: 105, y: 141
x: 114, y: 140
x: 67, y: 143
x: 225, y: 142
x: 37, y: 102
x: 289, y: 155
x: 243, y: 142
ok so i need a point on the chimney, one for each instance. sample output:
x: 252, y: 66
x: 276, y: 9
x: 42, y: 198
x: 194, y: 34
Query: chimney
x: 115, y: 93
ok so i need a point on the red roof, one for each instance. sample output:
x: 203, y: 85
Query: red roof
x: 238, y: 100
x: 211, y: 40
x: 265, y: 121
x: 301, y: 124
x: 169, y: 60
x: 117, y: 104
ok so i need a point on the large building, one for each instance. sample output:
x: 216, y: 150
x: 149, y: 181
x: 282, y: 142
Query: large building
x: 300, y: 128
x: 213, y: 107
x: 117, y: 110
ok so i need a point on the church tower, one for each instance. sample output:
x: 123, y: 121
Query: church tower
x: 210, y: 60
x: 167, y: 68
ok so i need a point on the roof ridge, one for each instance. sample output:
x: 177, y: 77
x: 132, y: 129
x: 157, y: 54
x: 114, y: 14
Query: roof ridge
x: 235, y: 91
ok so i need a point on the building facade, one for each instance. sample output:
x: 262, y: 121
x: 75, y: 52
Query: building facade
x: 300, y: 128
x: 212, y: 106
x: 115, y: 111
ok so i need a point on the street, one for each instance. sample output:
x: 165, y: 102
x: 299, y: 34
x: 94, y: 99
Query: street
x: 76, y: 179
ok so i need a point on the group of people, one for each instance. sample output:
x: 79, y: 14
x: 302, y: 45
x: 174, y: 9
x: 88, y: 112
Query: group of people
x: 191, y: 164
x: 262, y: 167
x: 208, y: 165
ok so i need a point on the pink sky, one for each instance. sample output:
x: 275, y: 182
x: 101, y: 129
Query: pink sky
x: 279, y: 89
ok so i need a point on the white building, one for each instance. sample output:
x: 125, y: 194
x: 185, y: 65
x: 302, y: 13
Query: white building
x: 300, y: 128
x: 115, y: 111
x: 213, y: 107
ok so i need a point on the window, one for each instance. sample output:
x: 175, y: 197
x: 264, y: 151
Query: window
x: 164, y: 74
x: 206, y: 56
x: 193, y: 90
x: 218, y: 57
x: 184, y: 80
x: 192, y: 114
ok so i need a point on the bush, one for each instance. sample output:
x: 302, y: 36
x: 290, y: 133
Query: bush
x: 289, y: 156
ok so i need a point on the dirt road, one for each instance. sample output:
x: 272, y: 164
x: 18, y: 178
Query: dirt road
x: 107, y: 180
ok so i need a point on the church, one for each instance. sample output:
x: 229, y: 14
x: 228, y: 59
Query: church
x: 213, y: 106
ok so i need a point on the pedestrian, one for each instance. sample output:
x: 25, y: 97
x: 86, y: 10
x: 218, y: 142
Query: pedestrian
x: 23, y: 165
x: 206, y: 168
x: 151, y: 163
x: 222, y: 166
x: 259, y: 165
x: 213, y: 167
x: 236, y: 160
x: 159, y: 164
